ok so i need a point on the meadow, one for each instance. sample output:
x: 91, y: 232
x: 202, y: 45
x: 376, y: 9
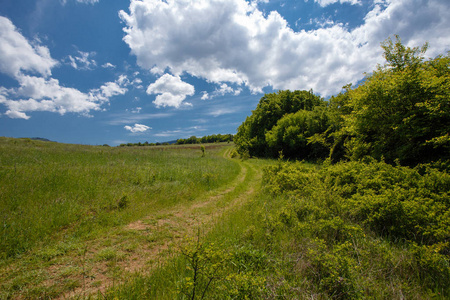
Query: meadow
x: 354, y: 230
x: 55, y: 197
x: 96, y: 222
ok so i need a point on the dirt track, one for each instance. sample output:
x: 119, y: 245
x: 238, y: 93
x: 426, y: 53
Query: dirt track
x: 163, y: 234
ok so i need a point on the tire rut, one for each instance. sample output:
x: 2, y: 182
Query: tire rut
x: 163, y: 233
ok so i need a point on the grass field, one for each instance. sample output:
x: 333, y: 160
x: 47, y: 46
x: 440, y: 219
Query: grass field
x: 85, y: 222
x: 58, y: 198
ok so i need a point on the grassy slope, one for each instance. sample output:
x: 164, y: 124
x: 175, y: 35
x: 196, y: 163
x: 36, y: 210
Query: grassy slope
x: 294, y: 237
x: 225, y: 235
x: 64, y: 205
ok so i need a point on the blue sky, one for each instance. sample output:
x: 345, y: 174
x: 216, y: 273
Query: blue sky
x: 116, y: 71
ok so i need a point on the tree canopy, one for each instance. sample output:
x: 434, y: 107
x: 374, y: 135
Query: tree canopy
x: 401, y: 112
x: 251, y: 135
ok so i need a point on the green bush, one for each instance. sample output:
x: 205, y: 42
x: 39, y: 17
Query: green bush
x: 368, y: 219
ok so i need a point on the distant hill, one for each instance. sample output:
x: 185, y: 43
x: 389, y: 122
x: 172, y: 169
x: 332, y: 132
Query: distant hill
x: 40, y: 139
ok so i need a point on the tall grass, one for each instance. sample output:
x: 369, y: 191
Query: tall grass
x: 216, y: 263
x: 295, y: 240
x: 49, y: 191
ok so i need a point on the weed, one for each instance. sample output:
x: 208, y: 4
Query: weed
x: 202, y: 147
x: 205, y: 265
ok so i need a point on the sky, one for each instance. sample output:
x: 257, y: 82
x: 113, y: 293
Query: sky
x: 117, y: 71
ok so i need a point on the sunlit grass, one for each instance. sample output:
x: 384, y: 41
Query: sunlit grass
x: 50, y: 191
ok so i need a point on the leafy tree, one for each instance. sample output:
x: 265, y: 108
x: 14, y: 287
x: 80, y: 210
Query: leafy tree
x: 215, y: 138
x: 402, y: 110
x: 251, y: 135
x: 398, y: 57
x: 293, y: 132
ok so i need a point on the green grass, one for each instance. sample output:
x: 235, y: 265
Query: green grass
x: 292, y: 239
x: 219, y: 228
x: 51, y: 191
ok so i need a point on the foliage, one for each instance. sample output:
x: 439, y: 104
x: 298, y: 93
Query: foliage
x: 293, y: 134
x: 251, y: 135
x: 335, y: 206
x: 313, y: 231
x: 215, y: 138
x: 205, y: 263
x: 402, y: 110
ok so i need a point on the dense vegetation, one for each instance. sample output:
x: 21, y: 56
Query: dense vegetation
x: 214, y: 138
x: 352, y: 230
x: 372, y: 220
x: 400, y: 112
x: 283, y: 121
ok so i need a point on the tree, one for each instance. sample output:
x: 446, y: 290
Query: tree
x: 398, y: 57
x: 251, y: 135
x: 293, y: 134
x: 402, y: 110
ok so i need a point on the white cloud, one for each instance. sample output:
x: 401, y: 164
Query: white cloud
x: 108, y: 65
x: 82, y: 61
x: 205, y: 95
x: 82, y: 1
x: 231, y: 41
x: 16, y: 115
x: 17, y: 55
x: 221, y: 91
x: 43, y: 93
x: 173, y: 91
x: 40, y: 94
x: 137, y: 83
x: 324, y: 3
x: 88, y: 1
x: 136, y: 110
x: 221, y: 111
x: 137, y: 128
x: 109, y: 90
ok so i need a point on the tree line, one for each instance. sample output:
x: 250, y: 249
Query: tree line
x: 215, y: 138
x: 400, y: 113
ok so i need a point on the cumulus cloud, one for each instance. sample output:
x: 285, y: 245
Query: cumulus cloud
x: 111, y: 89
x: 17, y: 55
x: 18, y: 58
x: 171, y: 90
x: 137, y: 128
x: 231, y: 41
x: 205, y: 96
x: 41, y: 94
x: 16, y: 115
x: 137, y: 83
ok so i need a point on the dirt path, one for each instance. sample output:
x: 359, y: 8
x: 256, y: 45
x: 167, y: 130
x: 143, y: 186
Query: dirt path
x: 142, y: 245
